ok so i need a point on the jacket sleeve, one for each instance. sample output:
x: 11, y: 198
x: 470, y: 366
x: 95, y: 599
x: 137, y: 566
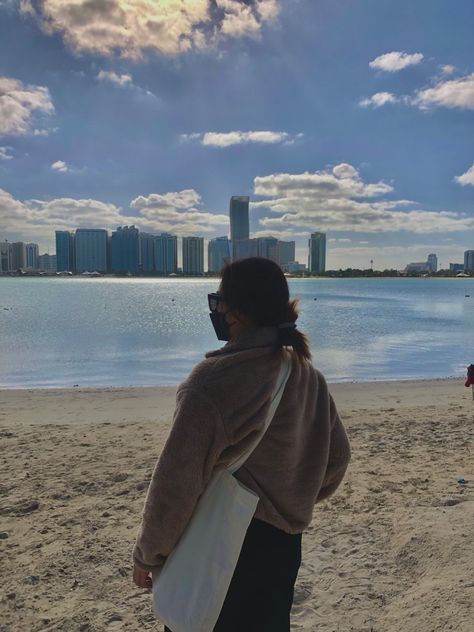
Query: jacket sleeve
x: 180, y: 476
x: 339, y: 455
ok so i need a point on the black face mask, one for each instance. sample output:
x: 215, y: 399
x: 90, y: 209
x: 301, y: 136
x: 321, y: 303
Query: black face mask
x: 221, y: 326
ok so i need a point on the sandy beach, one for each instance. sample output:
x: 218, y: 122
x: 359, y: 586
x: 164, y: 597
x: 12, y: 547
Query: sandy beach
x: 393, y: 550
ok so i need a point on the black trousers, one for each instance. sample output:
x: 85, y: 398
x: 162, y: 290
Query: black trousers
x: 260, y: 595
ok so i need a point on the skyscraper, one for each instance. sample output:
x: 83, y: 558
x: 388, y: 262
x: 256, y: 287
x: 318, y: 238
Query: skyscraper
x: 32, y: 253
x: 64, y: 251
x: 166, y: 253
x: 244, y: 248
x: 286, y: 253
x: 218, y: 253
x: 147, y: 252
x: 317, y: 253
x: 91, y: 250
x: 5, y: 257
x: 193, y: 255
x: 239, y: 220
x: 124, y: 250
x: 469, y: 261
x: 281, y: 252
x: 18, y: 255
x: 268, y: 248
x: 432, y: 263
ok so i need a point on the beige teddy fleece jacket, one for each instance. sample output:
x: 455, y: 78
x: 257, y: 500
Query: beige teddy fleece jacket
x: 220, y: 409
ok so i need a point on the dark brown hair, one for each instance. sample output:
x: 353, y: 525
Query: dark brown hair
x: 257, y: 287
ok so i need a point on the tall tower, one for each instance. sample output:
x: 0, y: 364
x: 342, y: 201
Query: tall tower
x: 166, y: 253
x: 317, y: 253
x: 18, y: 255
x: 469, y: 261
x: 239, y: 220
x: 64, y: 251
x: 91, y: 250
x: 218, y: 254
x: 147, y: 256
x: 32, y: 253
x: 432, y: 262
x: 125, y: 249
x: 5, y: 257
x: 193, y: 255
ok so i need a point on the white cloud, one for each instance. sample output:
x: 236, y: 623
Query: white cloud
x: 19, y: 104
x: 26, y: 8
x: 112, y: 77
x: 339, y: 200
x: 466, y: 178
x: 4, y: 153
x: 176, y: 211
x: 395, y: 61
x: 238, y: 19
x: 344, y: 170
x: 36, y: 220
x: 45, y: 131
x: 284, y: 234
x: 343, y: 182
x: 227, y: 139
x: 168, y: 27
x: 454, y: 93
x: 184, y: 138
x: 379, y: 99
x: 60, y: 165
x: 245, y: 19
x: 448, y: 69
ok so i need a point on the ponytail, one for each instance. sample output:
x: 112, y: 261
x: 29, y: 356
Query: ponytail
x: 290, y: 336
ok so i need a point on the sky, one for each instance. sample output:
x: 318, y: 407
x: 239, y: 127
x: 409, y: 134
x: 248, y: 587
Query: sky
x: 350, y: 117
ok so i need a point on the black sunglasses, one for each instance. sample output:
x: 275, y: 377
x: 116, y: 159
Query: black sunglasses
x: 213, y: 300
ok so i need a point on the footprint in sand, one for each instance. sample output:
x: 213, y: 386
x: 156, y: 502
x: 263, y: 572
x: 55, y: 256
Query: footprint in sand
x: 303, y: 591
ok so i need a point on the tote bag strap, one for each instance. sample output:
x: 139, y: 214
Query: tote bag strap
x: 284, y: 374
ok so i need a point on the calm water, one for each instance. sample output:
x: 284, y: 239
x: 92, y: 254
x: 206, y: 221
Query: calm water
x: 61, y: 332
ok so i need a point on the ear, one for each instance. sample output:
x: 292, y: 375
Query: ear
x: 233, y: 315
x: 241, y: 317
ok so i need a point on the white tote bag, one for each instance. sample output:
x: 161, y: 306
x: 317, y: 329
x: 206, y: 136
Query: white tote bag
x: 190, y: 590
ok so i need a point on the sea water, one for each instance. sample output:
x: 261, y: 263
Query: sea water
x: 59, y: 332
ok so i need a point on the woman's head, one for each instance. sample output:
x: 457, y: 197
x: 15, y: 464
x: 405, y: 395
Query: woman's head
x: 256, y: 290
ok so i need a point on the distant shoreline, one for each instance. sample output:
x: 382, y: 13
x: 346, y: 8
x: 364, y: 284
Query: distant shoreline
x: 394, y: 382
x: 216, y: 277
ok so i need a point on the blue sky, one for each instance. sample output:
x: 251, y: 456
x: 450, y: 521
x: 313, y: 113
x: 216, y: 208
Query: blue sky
x: 351, y: 117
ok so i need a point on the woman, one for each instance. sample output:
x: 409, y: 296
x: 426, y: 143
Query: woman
x: 221, y: 408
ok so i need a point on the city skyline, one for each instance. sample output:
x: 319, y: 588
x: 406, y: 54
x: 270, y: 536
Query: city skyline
x: 139, y: 253
x: 359, y: 126
x: 128, y: 251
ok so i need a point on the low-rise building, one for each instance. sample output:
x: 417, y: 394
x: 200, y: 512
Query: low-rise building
x: 421, y: 266
x: 47, y: 263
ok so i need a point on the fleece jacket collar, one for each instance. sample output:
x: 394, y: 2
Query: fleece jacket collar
x: 254, y: 338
